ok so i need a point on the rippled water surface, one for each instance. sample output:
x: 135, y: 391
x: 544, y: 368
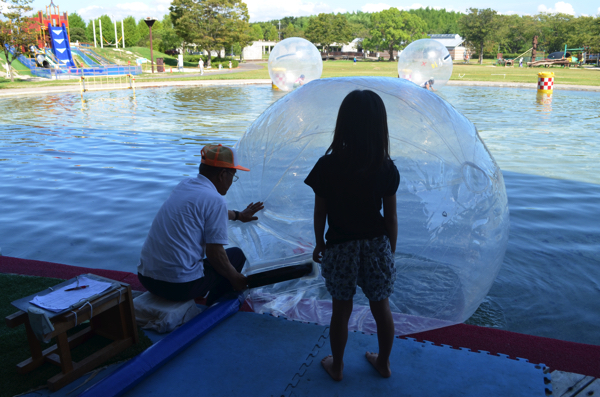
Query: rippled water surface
x: 81, y: 179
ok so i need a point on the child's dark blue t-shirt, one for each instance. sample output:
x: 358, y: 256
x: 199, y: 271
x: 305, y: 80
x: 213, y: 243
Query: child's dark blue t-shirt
x: 354, y: 200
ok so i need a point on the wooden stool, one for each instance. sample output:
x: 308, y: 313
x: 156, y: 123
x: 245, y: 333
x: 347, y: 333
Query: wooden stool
x: 111, y: 315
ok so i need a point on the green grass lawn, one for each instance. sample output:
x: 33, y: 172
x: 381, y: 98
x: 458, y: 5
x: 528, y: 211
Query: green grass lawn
x: 16, y: 64
x: 13, y: 341
x: 470, y: 72
x: 6, y: 84
x: 461, y: 72
x: 575, y: 76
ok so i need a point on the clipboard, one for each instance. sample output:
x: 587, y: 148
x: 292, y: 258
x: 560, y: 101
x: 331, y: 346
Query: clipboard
x: 24, y: 303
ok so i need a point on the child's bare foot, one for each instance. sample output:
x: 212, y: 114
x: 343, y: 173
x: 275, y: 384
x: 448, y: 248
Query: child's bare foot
x: 335, y: 373
x: 382, y: 368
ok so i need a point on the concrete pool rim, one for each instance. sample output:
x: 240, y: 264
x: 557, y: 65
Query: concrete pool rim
x: 208, y: 83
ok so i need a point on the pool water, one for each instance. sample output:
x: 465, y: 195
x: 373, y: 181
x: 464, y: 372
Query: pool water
x: 83, y: 176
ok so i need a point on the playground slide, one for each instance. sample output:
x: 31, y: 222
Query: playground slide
x: 51, y: 59
x: 96, y: 57
x: 60, y: 45
x: 84, y: 57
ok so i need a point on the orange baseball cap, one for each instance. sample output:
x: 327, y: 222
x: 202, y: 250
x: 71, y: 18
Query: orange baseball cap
x: 220, y: 156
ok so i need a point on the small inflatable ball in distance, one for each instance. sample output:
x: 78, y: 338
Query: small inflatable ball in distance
x: 452, y: 207
x: 425, y: 60
x: 294, y: 62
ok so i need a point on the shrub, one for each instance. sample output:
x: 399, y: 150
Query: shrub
x: 173, y: 62
x: 225, y: 64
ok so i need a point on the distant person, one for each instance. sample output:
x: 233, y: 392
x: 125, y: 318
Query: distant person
x: 183, y: 257
x: 351, y: 182
x: 180, y: 63
x: 354, y: 59
x: 521, y: 62
x: 428, y: 85
x: 299, y: 81
x: 201, y: 66
x: 230, y: 65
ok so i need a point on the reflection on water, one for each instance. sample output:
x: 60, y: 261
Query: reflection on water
x: 82, y: 178
x: 560, y: 140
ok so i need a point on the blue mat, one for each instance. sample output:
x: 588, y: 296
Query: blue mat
x: 259, y: 355
x: 247, y: 354
x: 422, y: 369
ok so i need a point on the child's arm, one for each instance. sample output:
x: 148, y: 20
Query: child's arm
x: 390, y: 219
x: 320, y: 216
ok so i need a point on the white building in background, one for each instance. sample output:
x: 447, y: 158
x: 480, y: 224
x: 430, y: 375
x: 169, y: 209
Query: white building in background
x: 256, y: 51
x: 452, y: 42
x: 352, y: 46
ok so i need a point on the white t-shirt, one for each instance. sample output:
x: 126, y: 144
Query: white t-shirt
x: 194, y: 214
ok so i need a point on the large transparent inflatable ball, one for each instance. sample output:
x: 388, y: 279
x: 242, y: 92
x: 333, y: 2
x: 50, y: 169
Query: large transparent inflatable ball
x: 294, y: 62
x: 452, y: 207
x: 425, y: 60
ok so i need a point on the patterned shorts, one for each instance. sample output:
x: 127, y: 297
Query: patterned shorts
x: 366, y: 263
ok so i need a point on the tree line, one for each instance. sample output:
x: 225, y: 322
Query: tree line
x: 137, y: 33
x: 216, y: 24
x: 486, y: 32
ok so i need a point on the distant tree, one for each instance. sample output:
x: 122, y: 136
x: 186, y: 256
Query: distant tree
x: 132, y: 35
x: 143, y: 33
x: 517, y: 33
x: 17, y: 30
x: 108, y: 30
x: 480, y: 26
x: 393, y: 29
x: 75, y: 21
x: 169, y: 40
x: 359, y: 17
x: 291, y: 31
x: 326, y: 29
x: 586, y: 32
x: 359, y: 30
x: 271, y: 33
x: 89, y: 32
x: 342, y: 33
x: 77, y: 34
x: 256, y: 32
x: 438, y: 21
x: 211, y: 24
x: 360, y: 25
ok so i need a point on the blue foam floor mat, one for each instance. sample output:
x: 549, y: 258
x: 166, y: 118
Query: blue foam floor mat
x: 251, y: 355
x: 259, y: 355
x: 422, y: 369
x: 247, y: 354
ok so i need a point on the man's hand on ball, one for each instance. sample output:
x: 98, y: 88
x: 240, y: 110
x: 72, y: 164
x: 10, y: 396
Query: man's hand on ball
x: 247, y: 215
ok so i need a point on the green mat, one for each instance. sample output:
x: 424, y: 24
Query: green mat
x: 13, y: 341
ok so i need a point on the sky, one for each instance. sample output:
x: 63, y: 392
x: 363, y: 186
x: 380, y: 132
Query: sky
x: 265, y: 10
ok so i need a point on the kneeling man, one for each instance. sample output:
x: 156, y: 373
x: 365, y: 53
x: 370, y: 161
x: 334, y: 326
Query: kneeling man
x: 183, y: 257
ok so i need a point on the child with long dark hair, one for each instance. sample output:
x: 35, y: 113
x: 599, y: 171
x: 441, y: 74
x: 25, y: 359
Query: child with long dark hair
x: 351, y: 182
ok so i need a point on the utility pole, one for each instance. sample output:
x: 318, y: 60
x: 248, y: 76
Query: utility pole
x: 279, y: 31
x: 122, y: 33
